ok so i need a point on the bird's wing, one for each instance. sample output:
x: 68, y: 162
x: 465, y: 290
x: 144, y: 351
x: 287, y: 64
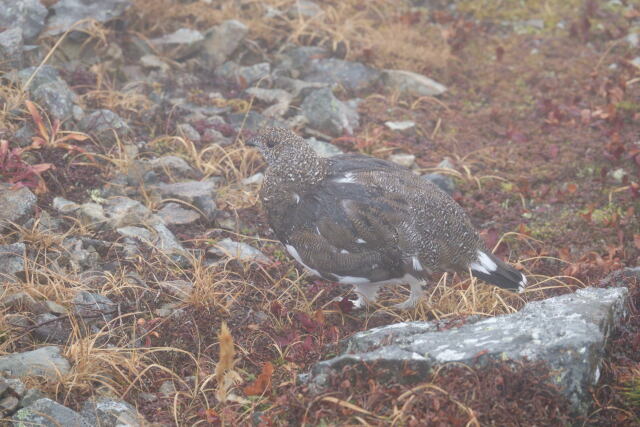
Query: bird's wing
x: 350, y: 230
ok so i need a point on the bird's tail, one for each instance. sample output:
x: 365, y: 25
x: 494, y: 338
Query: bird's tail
x: 492, y: 270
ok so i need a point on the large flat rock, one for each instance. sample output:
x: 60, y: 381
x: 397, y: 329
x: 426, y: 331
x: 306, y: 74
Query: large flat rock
x: 569, y: 332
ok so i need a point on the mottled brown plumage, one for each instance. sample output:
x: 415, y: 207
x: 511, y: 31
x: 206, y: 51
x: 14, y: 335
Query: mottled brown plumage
x: 367, y: 222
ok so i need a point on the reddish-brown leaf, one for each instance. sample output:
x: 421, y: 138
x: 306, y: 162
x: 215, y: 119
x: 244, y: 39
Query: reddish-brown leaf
x: 262, y: 383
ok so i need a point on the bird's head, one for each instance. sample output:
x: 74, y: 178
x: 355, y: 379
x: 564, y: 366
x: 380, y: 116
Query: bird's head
x: 279, y: 144
x: 288, y: 156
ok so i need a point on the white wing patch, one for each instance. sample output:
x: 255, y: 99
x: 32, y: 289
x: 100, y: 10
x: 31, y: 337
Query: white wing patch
x: 352, y: 280
x: 486, y: 262
x: 416, y: 263
x: 297, y: 197
x: 294, y: 253
x: 360, y: 241
x: 348, y: 178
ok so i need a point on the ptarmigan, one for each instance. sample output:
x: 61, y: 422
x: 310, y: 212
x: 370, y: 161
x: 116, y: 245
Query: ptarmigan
x: 366, y: 222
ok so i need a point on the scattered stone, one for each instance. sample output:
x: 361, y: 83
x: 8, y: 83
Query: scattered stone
x: 569, y: 332
x: 187, y: 38
x: 239, y: 250
x: 243, y: 76
x: 327, y: 113
x: 22, y: 301
x: 412, y: 84
x: 12, y: 259
x: 153, y: 61
x: 16, y: 205
x: 16, y: 386
x: 167, y: 389
x: 403, y: 159
x: 8, y: 405
x: 305, y: 8
x: 49, y: 91
x: 445, y: 182
x: 26, y: 15
x: 189, y: 132
x: 169, y: 309
x: 201, y: 194
x: 221, y: 40
x: 92, y: 215
x: 132, y: 232
x: 69, y: 12
x: 111, y: 412
x: 54, y: 307
x: 352, y: 76
x: 50, y: 329
x: 297, y: 60
x: 44, y: 361
x: 254, y: 179
x: 104, y: 125
x: 280, y: 99
x: 168, y: 244
x: 30, y: 396
x: 172, y: 166
x: 177, y: 288
x: 297, y: 87
x: 252, y: 121
x: 11, y: 47
x: 404, y: 125
x: 323, y: 149
x: 47, y: 413
x: 175, y: 214
x: 123, y: 211
x: 64, y: 206
x: 94, y: 307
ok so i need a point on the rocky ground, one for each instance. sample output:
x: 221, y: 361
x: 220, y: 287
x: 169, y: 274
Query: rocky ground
x: 140, y: 284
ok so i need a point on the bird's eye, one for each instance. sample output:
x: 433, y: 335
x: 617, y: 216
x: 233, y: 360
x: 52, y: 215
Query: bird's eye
x: 272, y: 143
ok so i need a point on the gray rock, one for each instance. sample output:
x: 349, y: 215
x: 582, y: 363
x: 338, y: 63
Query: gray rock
x: 123, y: 211
x: 167, y: 243
x: 177, y: 288
x: 172, y: 166
x: 92, y: 215
x: 403, y: 159
x: 201, y: 194
x: 444, y: 182
x: 256, y: 178
x: 221, y: 40
x: 30, y: 396
x: 94, y: 307
x: 57, y: 98
x: 297, y: 60
x: 175, y: 214
x: 27, y: 15
x: 64, y: 206
x: 327, y: 113
x: 50, y: 330
x: 352, y: 76
x: 68, y: 12
x: 182, y: 36
x: 569, y: 332
x: 20, y: 301
x: 305, y: 8
x: 403, y: 125
x: 132, y: 232
x: 11, y: 46
x: 44, y: 361
x: 50, y: 91
x: 323, y: 149
x: 252, y: 121
x: 280, y: 99
x: 167, y: 388
x: 189, y: 132
x: 412, y: 84
x: 297, y: 87
x: 16, y: 386
x: 12, y: 259
x: 111, y: 412
x: 239, y: 250
x: 104, y: 125
x: 16, y: 205
x: 8, y: 405
x: 47, y: 413
x: 243, y: 75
